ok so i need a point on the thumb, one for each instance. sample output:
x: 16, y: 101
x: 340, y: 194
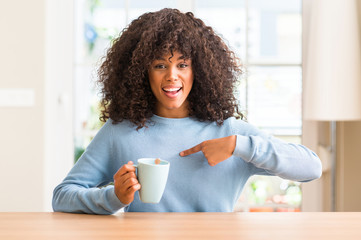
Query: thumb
x: 191, y: 150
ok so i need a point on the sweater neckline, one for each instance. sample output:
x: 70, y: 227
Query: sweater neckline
x: 172, y: 121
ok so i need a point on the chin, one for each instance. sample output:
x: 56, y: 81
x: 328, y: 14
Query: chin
x: 173, y: 107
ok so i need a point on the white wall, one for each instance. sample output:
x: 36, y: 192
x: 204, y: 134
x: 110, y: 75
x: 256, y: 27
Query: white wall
x: 35, y: 148
x: 58, y: 145
x: 21, y: 128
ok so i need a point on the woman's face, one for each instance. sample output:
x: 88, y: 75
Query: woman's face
x: 171, y: 80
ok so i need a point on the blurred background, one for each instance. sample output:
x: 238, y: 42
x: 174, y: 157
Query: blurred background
x: 49, y: 102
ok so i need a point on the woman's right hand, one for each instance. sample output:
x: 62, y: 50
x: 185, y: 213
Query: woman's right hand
x: 126, y: 183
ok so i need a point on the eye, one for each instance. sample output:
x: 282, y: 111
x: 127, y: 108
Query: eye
x: 159, y: 66
x: 183, y: 65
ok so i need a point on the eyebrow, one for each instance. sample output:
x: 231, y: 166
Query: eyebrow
x: 181, y: 57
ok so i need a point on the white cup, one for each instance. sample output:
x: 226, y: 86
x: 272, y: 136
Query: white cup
x: 152, y: 178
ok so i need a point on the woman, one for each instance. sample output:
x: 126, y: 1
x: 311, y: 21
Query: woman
x: 167, y: 86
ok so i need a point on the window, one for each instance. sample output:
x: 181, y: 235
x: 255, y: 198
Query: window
x: 266, y: 36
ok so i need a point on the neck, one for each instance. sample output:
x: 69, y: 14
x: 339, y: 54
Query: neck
x: 181, y: 112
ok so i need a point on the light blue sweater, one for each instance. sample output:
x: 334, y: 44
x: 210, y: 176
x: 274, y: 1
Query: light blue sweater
x: 193, y: 185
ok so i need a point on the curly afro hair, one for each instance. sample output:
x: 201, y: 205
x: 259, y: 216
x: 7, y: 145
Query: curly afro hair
x: 123, y: 75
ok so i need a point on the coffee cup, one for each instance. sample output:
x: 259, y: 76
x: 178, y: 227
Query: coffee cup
x: 152, y: 177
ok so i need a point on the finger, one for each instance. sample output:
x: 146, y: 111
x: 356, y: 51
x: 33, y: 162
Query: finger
x: 131, y: 183
x: 125, y: 188
x: 131, y: 190
x: 126, y: 195
x: 124, y: 184
x: 192, y: 150
x: 126, y: 177
x: 125, y: 169
x: 129, y: 180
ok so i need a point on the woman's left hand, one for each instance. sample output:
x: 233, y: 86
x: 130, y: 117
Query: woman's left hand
x: 215, y: 150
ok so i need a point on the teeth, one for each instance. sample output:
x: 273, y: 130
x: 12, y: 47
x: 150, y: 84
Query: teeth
x: 171, y: 89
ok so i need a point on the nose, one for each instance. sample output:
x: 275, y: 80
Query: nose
x: 172, y: 74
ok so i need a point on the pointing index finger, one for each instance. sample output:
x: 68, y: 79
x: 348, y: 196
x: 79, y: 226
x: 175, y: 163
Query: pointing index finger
x: 192, y: 150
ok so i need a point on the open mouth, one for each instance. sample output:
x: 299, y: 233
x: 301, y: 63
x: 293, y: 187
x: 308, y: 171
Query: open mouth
x: 172, y: 92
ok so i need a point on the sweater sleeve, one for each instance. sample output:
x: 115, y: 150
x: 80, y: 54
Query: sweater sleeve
x: 272, y: 156
x: 79, y: 192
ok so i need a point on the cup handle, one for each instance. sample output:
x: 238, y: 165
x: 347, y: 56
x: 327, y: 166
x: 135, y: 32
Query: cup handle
x: 136, y: 169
